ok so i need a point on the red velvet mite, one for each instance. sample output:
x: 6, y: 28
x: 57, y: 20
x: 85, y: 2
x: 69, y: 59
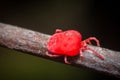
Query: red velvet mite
x: 69, y: 43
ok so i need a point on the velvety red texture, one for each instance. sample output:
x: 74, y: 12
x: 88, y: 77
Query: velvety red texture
x: 65, y: 43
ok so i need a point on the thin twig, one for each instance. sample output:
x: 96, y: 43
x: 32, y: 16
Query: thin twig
x: 34, y: 43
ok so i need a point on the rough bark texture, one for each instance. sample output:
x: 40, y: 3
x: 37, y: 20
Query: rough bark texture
x: 34, y: 43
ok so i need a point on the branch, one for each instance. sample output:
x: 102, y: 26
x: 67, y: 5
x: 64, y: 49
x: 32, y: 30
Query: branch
x: 34, y: 43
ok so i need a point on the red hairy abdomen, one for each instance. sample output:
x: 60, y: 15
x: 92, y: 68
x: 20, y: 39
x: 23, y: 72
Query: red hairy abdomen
x: 65, y: 43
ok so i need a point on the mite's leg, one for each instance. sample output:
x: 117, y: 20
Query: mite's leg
x: 94, y: 39
x: 51, y: 55
x: 66, y: 61
x: 58, y: 30
x: 96, y: 53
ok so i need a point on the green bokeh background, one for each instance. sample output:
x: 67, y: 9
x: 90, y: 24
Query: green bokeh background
x: 90, y: 17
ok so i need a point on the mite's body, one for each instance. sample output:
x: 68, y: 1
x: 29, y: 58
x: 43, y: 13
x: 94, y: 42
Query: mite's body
x: 69, y: 43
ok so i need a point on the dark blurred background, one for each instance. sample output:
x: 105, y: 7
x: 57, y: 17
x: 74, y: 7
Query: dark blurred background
x: 99, y: 18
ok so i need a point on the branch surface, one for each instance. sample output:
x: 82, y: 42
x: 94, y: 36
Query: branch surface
x: 34, y: 43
